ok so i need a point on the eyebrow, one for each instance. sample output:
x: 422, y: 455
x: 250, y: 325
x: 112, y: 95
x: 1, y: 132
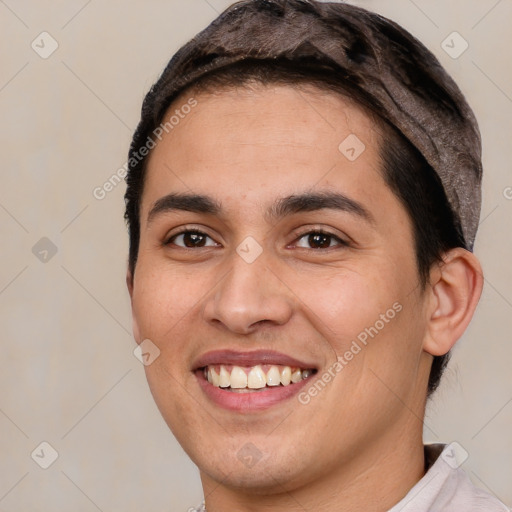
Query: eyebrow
x: 309, y: 202
x: 285, y: 206
x: 186, y: 202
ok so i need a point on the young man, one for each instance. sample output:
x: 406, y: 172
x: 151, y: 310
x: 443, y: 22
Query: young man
x: 303, y: 197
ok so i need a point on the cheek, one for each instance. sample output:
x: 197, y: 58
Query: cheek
x: 382, y: 333
x: 368, y: 315
x: 349, y: 300
x: 162, y: 299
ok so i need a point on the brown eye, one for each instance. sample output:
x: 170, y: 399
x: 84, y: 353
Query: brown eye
x: 191, y: 239
x: 319, y: 240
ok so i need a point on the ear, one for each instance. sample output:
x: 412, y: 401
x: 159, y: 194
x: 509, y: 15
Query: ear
x: 135, y: 326
x: 455, y: 289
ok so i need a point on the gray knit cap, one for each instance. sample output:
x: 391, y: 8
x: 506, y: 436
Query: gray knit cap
x: 392, y: 70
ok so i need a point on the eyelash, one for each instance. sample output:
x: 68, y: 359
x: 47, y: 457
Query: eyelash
x: 299, y: 236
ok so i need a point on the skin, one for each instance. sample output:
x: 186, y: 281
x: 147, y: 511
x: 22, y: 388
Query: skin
x: 358, y: 442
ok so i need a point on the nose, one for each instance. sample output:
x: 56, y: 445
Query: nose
x: 249, y: 295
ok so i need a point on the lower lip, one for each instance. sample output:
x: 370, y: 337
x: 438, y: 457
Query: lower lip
x: 251, y: 401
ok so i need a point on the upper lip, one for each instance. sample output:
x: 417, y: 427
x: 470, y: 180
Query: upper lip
x: 249, y: 358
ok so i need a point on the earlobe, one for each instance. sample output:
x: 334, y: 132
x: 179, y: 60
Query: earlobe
x: 456, y: 286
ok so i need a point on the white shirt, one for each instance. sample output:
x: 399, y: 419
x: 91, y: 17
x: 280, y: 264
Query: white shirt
x: 444, y: 488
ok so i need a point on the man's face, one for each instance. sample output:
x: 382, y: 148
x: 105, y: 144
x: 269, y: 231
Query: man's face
x: 328, y: 283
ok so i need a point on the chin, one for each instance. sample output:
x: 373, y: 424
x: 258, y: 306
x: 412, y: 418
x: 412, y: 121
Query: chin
x: 267, y: 477
x: 238, y: 464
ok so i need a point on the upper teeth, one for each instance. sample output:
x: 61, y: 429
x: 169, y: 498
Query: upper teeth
x: 255, y: 378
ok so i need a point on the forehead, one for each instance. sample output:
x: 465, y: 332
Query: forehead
x: 250, y: 137
x: 275, y: 114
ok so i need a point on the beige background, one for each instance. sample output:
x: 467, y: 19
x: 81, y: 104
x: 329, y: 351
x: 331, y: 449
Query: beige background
x: 67, y: 372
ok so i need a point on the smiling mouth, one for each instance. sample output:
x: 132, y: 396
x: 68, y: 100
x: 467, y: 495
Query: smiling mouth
x: 242, y: 379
